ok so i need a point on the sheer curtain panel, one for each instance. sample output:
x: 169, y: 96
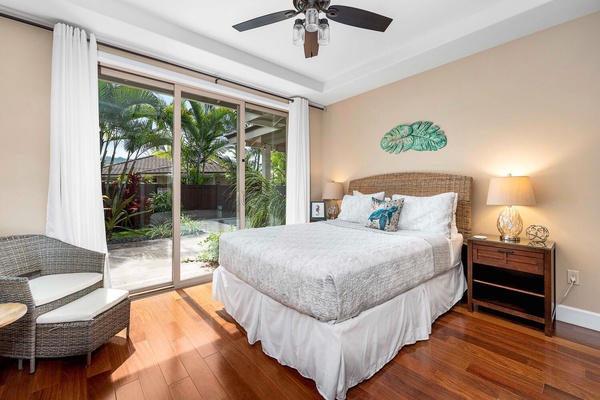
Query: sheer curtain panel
x: 75, y: 211
x: 298, y: 164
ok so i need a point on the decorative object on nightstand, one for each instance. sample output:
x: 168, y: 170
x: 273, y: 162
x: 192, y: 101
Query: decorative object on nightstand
x: 510, y: 191
x: 537, y: 233
x: 333, y: 191
x: 513, y: 278
x: 317, y: 211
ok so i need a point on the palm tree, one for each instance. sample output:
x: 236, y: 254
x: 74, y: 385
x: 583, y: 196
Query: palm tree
x: 265, y: 204
x: 133, y: 119
x: 203, y: 138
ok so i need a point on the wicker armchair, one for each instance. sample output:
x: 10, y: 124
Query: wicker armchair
x: 26, y: 255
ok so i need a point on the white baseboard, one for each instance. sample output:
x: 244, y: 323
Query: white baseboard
x: 579, y: 317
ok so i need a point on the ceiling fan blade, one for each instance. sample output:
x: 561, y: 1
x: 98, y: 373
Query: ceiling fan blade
x: 311, y: 45
x: 358, y: 18
x: 265, y: 20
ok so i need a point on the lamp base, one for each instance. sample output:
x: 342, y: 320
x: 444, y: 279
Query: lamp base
x: 509, y: 225
x: 332, y: 210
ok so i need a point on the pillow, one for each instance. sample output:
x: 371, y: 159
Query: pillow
x: 453, y: 227
x: 385, y: 214
x: 355, y: 209
x: 428, y: 214
x: 378, y: 196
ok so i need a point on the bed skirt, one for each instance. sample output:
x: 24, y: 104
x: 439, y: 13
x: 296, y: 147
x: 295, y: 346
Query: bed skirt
x: 338, y: 356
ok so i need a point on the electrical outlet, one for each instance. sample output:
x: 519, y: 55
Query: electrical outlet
x: 573, y: 276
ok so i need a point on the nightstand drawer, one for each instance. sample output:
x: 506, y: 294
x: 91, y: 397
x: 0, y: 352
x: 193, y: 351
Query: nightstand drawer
x: 517, y: 260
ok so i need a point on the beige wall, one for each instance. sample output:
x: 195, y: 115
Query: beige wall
x: 24, y: 127
x: 529, y: 107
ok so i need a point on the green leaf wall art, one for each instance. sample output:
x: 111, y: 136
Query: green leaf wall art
x: 419, y: 136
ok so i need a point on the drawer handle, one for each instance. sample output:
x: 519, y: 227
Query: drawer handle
x: 505, y: 251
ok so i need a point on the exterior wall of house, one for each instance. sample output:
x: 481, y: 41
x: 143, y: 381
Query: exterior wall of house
x: 529, y: 107
x: 25, y: 68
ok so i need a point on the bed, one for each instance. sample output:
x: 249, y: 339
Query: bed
x: 296, y: 300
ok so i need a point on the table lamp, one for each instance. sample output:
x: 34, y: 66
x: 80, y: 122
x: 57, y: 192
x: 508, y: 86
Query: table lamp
x: 333, y: 191
x: 510, y: 191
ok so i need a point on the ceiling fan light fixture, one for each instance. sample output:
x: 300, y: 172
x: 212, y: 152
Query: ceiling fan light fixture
x: 313, y: 31
x: 298, y: 33
x: 312, y: 20
x: 324, y: 34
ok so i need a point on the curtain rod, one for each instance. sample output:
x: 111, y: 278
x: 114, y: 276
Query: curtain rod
x: 215, y: 77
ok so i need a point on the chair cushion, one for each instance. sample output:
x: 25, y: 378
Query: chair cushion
x: 85, y: 308
x: 48, y: 288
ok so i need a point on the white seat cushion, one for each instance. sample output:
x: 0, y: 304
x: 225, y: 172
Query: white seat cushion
x: 48, y: 288
x: 84, y: 308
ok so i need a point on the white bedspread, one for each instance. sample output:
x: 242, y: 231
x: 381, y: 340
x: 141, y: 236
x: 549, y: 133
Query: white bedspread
x: 333, y: 270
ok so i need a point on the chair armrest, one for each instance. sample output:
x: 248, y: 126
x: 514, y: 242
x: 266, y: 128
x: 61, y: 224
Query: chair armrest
x: 62, y: 258
x: 15, y: 290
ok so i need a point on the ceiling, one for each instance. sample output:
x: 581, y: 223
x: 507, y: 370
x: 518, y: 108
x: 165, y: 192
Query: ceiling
x: 198, y: 34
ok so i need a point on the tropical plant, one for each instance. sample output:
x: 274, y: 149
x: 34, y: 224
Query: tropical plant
x: 161, y: 201
x: 419, y: 136
x: 116, y: 215
x: 265, y: 204
x: 132, y: 189
x: 278, y: 165
x: 210, y: 248
x: 133, y: 120
x: 203, y: 136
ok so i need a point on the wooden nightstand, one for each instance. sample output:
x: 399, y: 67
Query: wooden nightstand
x: 514, y: 278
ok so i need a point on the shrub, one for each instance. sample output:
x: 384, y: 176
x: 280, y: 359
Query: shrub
x: 189, y: 226
x: 162, y: 201
x: 210, y: 248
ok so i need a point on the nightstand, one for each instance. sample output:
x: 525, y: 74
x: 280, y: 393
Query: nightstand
x: 513, y: 278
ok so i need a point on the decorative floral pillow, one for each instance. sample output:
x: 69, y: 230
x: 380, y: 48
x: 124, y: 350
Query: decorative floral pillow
x: 385, y: 214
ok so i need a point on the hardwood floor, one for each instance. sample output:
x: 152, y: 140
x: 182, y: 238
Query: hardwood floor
x: 184, y: 346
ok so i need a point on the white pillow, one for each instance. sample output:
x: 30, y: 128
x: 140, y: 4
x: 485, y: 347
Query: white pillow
x: 454, y: 228
x: 428, y: 214
x: 378, y: 196
x: 355, y: 209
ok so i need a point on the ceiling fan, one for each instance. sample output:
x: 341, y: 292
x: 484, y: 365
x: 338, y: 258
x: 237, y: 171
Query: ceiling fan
x: 314, y: 31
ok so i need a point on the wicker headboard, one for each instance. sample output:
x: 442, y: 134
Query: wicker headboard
x: 423, y: 184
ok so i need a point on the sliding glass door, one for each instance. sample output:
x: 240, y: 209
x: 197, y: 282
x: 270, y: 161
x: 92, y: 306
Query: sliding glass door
x: 136, y: 139
x: 209, y: 174
x: 181, y: 166
x: 265, y: 169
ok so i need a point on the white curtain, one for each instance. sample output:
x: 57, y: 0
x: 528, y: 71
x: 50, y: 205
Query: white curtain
x: 75, y: 210
x: 298, y: 164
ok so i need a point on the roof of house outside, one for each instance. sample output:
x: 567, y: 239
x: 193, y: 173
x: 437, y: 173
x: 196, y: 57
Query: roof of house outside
x: 153, y: 165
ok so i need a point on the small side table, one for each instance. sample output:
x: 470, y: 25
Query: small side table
x: 10, y: 312
x: 513, y: 278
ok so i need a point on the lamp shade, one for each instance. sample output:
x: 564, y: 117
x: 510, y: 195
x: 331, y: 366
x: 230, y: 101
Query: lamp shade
x: 510, y: 191
x: 333, y: 191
